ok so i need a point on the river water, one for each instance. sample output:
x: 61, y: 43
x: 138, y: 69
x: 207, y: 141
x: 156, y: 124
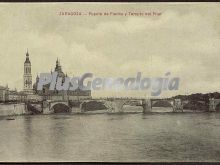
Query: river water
x: 111, y: 137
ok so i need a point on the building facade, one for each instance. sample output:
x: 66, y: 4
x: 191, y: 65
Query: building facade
x: 4, y: 93
x: 13, y: 95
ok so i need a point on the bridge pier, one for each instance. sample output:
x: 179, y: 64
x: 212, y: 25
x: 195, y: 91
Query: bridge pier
x: 146, y: 104
x: 46, y: 107
x: 115, y: 105
x: 214, y: 105
x: 118, y: 106
x: 177, y: 105
x: 81, y: 107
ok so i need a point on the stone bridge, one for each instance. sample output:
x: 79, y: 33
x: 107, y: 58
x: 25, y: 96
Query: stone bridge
x: 116, y: 104
x: 112, y: 104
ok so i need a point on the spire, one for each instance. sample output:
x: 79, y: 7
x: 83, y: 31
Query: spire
x: 37, y: 78
x: 27, y: 57
x: 27, y: 54
x: 58, y: 67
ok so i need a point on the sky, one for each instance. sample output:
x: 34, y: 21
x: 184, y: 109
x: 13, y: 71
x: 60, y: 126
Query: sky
x: 184, y: 39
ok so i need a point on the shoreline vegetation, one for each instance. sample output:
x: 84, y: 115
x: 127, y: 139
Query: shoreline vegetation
x: 197, y: 101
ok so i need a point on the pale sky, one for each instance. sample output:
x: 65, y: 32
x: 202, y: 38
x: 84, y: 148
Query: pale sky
x: 184, y: 40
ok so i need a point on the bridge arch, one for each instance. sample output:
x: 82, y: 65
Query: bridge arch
x: 117, y: 105
x: 91, y: 105
x: 60, y: 108
x: 195, y: 105
x: 162, y: 103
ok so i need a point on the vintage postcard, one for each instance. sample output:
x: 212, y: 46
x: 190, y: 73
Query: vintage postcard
x: 110, y: 82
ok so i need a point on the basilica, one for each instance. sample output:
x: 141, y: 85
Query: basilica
x: 33, y: 93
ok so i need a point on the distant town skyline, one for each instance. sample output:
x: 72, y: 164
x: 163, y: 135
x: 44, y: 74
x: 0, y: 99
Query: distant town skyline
x: 183, y: 40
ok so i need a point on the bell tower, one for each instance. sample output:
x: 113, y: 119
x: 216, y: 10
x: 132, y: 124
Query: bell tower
x: 27, y: 75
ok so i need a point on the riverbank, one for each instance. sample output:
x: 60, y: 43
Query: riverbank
x: 11, y: 109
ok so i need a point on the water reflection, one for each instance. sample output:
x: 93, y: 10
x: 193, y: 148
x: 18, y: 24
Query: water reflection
x: 104, y: 137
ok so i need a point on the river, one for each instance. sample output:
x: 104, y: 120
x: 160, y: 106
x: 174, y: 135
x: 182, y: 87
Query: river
x: 124, y: 137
